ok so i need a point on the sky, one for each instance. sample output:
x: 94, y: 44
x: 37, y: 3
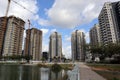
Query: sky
x: 63, y: 16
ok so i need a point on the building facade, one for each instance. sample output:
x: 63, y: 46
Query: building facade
x: 116, y: 12
x: 109, y: 21
x: 78, y: 45
x: 95, y: 35
x: 2, y: 33
x: 33, y: 43
x: 55, y: 45
x: 13, y: 36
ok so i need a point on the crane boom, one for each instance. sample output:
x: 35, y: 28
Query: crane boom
x: 28, y: 24
x: 7, y: 8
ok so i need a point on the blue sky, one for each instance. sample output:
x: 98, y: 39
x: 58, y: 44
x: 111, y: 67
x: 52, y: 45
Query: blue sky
x: 63, y: 16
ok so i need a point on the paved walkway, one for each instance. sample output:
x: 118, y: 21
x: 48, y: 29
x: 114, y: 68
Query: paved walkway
x: 87, y: 74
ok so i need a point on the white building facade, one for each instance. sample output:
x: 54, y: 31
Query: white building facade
x: 55, y: 45
x: 78, y: 45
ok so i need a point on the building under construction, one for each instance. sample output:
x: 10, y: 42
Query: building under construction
x: 33, y: 43
x: 11, y: 36
x: 2, y: 33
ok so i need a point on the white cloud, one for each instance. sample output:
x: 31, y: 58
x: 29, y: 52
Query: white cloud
x: 69, y: 14
x: 66, y: 46
x: 53, y: 30
x: 87, y: 37
x: 45, y: 47
x: 67, y: 51
x: 67, y: 38
x: 45, y: 31
x: 45, y: 40
x: 43, y: 22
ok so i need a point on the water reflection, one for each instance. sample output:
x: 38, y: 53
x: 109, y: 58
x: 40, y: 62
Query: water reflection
x: 19, y: 72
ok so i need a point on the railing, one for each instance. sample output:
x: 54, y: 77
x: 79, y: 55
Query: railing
x: 74, y: 74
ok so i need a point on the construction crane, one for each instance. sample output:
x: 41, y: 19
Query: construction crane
x: 6, y: 14
x: 5, y: 19
x: 29, y: 24
x: 7, y: 10
x: 22, y: 6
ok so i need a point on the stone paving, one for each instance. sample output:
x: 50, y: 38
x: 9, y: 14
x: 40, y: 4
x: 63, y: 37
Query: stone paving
x: 87, y: 74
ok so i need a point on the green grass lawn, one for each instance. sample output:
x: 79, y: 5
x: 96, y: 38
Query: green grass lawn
x: 108, y: 71
x: 111, y: 67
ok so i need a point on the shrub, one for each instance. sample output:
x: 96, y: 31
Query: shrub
x: 56, y: 68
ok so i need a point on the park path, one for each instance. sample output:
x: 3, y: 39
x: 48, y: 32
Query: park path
x: 87, y: 74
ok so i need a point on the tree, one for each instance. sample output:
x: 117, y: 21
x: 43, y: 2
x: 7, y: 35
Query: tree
x: 27, y: 57
x: 104, y: 51
x: 98, y: 51
x: 43, y: 59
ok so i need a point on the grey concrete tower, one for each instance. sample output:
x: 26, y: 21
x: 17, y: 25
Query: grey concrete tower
x: 55, y: 45
x: 109, y: 21
x: 78, y: 45
x: 33, y: 43
x: 95, y: 35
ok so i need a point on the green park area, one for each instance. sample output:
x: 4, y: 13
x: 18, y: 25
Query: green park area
x: 108, y: 71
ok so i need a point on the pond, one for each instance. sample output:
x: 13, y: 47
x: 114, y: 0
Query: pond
x: 23, y: 72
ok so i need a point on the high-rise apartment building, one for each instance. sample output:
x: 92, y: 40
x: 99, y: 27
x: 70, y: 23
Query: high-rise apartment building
x: 109, y: 21
x: 13, y: 36
x: 78, y: 45
x: 55, y: 45
x: 95, y: 35
x: 33, y: 43
x: 3, y: 26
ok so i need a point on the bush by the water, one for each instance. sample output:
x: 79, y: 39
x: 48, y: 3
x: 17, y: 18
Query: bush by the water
x: 56, y: 68
x: 115, y: 78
